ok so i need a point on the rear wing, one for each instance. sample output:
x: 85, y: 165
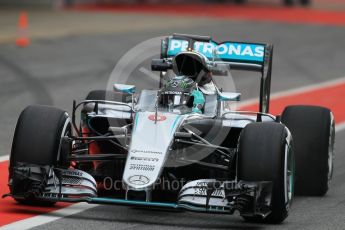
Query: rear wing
x: 239, y: 55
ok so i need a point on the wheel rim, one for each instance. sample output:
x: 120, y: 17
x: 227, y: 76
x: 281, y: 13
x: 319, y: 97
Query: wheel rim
x: 66, y: 131
x: 289, y: 170
x: 331, y: 151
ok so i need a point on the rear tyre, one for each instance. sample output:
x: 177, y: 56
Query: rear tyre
x: 37, y: 140
x: 288, y: 2
x: 266, y: 154
x: 313, y: 132
x: 240, y: 1
x: 305, y: 2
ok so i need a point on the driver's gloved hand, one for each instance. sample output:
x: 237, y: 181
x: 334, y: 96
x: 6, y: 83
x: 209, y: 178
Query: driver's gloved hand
x: 198, y: 102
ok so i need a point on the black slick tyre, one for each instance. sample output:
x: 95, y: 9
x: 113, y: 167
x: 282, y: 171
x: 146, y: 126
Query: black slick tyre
x: 37, y: 140
x: 266, y: 154
x: 313, y: 131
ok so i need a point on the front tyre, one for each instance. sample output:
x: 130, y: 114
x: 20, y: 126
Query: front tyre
x: 37, y: 140
x: 266, y: 154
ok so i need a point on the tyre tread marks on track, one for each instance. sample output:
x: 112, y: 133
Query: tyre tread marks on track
x: 35, y: 86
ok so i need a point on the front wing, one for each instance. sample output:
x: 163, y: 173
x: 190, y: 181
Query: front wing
x: 71, y: 185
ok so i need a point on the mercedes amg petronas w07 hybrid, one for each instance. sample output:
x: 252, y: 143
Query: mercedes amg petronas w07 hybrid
x: 183, y: 146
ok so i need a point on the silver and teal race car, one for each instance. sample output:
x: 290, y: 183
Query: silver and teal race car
x: 183, y: 146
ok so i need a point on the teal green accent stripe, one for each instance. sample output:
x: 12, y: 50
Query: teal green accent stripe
x: 174, y: 124
x: 136, y: 121
x: 102, y: 200
x: 133, y: 202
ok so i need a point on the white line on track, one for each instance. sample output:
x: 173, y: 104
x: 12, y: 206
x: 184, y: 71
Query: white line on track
x: 80, y: 207
x: 340, y: 127
x: 303, y: 89
x: 48, y: 217
x: 4, y: 158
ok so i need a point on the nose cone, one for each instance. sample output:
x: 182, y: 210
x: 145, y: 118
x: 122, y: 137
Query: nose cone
x: 149, y: 149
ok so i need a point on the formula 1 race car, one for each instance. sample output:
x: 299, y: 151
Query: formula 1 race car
x: 180, y: 147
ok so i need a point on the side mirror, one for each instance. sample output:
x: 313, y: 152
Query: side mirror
x: 123, y: 88
x: 226, y: 96
x: 160, y: 65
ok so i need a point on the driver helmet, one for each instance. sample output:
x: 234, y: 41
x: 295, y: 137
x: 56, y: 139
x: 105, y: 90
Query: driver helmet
x: 193, y: 65
x: 177, y: 90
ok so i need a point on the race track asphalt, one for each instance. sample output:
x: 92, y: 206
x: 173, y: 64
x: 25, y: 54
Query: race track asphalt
x: 56, y: 71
